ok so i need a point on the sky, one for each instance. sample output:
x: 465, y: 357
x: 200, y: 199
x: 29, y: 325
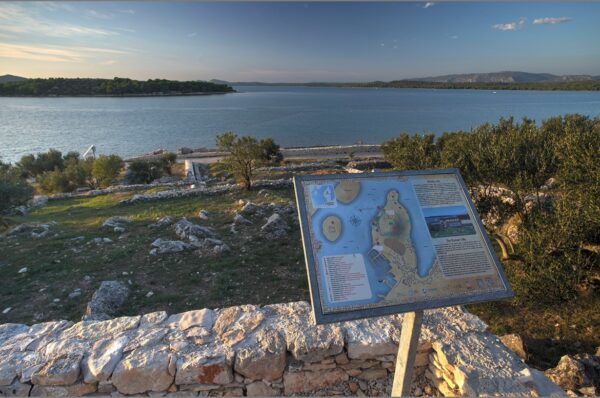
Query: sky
x: 296, y: 42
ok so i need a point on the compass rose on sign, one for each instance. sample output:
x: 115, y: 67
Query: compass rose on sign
x: 355, y: 221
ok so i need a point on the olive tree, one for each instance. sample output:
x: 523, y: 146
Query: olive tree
x: 244, y: 155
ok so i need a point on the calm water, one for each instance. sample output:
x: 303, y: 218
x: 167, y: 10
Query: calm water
x: 293, y: 116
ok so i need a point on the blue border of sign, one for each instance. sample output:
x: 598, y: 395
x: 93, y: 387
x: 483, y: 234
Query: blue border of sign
x: 312, y: 268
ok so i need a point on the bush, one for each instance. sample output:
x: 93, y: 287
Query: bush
x: 55, y: 181
x: 166, y: 161
x: 271, y: 152
x: 559, y: 236
x: 14, y: 190
x: 412, y: 152
x: 143, y: 171
x: 32, y: 166
x: 106, y: 169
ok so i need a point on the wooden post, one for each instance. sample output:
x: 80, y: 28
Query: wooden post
x: 407, y: 351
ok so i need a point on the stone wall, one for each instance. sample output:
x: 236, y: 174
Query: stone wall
x: 250, y: 350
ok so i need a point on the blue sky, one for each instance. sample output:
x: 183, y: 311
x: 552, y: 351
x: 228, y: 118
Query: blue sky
x: 296, y: 42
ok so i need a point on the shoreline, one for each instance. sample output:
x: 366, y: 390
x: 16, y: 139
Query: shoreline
x: 320, y: 152
x: 121, y: 95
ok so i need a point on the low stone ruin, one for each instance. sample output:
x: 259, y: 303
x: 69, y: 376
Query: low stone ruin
x: 251, y: 350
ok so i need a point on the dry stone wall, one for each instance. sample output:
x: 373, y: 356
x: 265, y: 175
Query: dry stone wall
x: 257, y: 351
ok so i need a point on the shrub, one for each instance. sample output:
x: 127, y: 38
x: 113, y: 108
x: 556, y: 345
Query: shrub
x: 167, y: 160
x: 55, y: 181
x: 271, y: 152
x: 33, y: 166
x: 14, y: 190
x: 143, y: 171
x: 106, y: 169
x: 412, y: 152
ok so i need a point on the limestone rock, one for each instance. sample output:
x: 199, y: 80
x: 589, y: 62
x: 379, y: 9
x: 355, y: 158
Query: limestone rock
x: 313, y: 343
x: 234, y: 324
x: 260, y: 389
x: 74, y: 390
x: 186, y: 229
x: 265, y: 360
x: 249, y: 209
x: 203, y: 318
x: 208, y: 366
x: 161, y: 222
x: 153, y: 318
x: 16, y: 389
x: 103, y: 359
x: 105, y: 302
x: 241, y: 220
x: 275, y: 227
x: 95, y: 330
x: 370, y: 338
x: 373, y: 374
x: 60, y: 371
x: 116, y: 222
x: 515, y: 344
x: 144, y: 369
x: 203, y: 214
x: 163, y: 246
x: 306, y: 382
x: 576, y: 372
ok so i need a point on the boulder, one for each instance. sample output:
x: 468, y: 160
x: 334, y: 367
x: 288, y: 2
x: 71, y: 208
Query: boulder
x: 249, y: 209
x: 105, y: 302
x: 203, y: 214
x: 74, y: 390
x: 144, y: 369
x: 260, y: 389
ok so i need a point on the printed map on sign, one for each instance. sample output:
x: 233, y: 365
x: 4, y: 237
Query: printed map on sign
x: 382, y: 240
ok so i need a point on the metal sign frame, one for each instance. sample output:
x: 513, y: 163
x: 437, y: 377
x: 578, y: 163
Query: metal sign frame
x: 312, y: 266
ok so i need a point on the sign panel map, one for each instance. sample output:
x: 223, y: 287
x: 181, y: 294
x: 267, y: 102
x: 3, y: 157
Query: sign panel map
x: 384, y: 243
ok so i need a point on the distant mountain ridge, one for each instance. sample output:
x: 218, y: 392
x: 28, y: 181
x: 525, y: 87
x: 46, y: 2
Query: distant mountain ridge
x: 504, y: 77
x: 11, y: 78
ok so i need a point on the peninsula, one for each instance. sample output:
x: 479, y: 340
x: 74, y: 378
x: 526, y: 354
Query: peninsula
x: 117, y: 87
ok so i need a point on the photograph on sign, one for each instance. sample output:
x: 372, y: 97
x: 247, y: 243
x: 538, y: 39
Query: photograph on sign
x: 383, y: 243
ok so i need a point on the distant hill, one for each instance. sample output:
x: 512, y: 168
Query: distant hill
x: 11, y: 78
x: 505, y: 77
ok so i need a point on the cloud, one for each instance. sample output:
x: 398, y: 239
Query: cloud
x: 108, y: 62
x: 34, y: 53
x: 453, y: 37
x: 128, y: 11
x: 53, y: 53
x: 193, y: 34
x: 515, y: 25
x: 98, y: 14
x: 428, y: 4
x: 551, y: 21
x: 19, y: 19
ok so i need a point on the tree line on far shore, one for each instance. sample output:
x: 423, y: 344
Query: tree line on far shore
x: 117, y: 86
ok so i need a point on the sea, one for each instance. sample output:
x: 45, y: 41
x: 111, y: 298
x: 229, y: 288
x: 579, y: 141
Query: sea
x: 293, y: 116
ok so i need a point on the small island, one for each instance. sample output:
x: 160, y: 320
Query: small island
x: 117, y: 87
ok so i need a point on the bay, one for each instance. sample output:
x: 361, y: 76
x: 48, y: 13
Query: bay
x: 293, y: 116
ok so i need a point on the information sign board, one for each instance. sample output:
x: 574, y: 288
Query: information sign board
x: 386, y: 243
